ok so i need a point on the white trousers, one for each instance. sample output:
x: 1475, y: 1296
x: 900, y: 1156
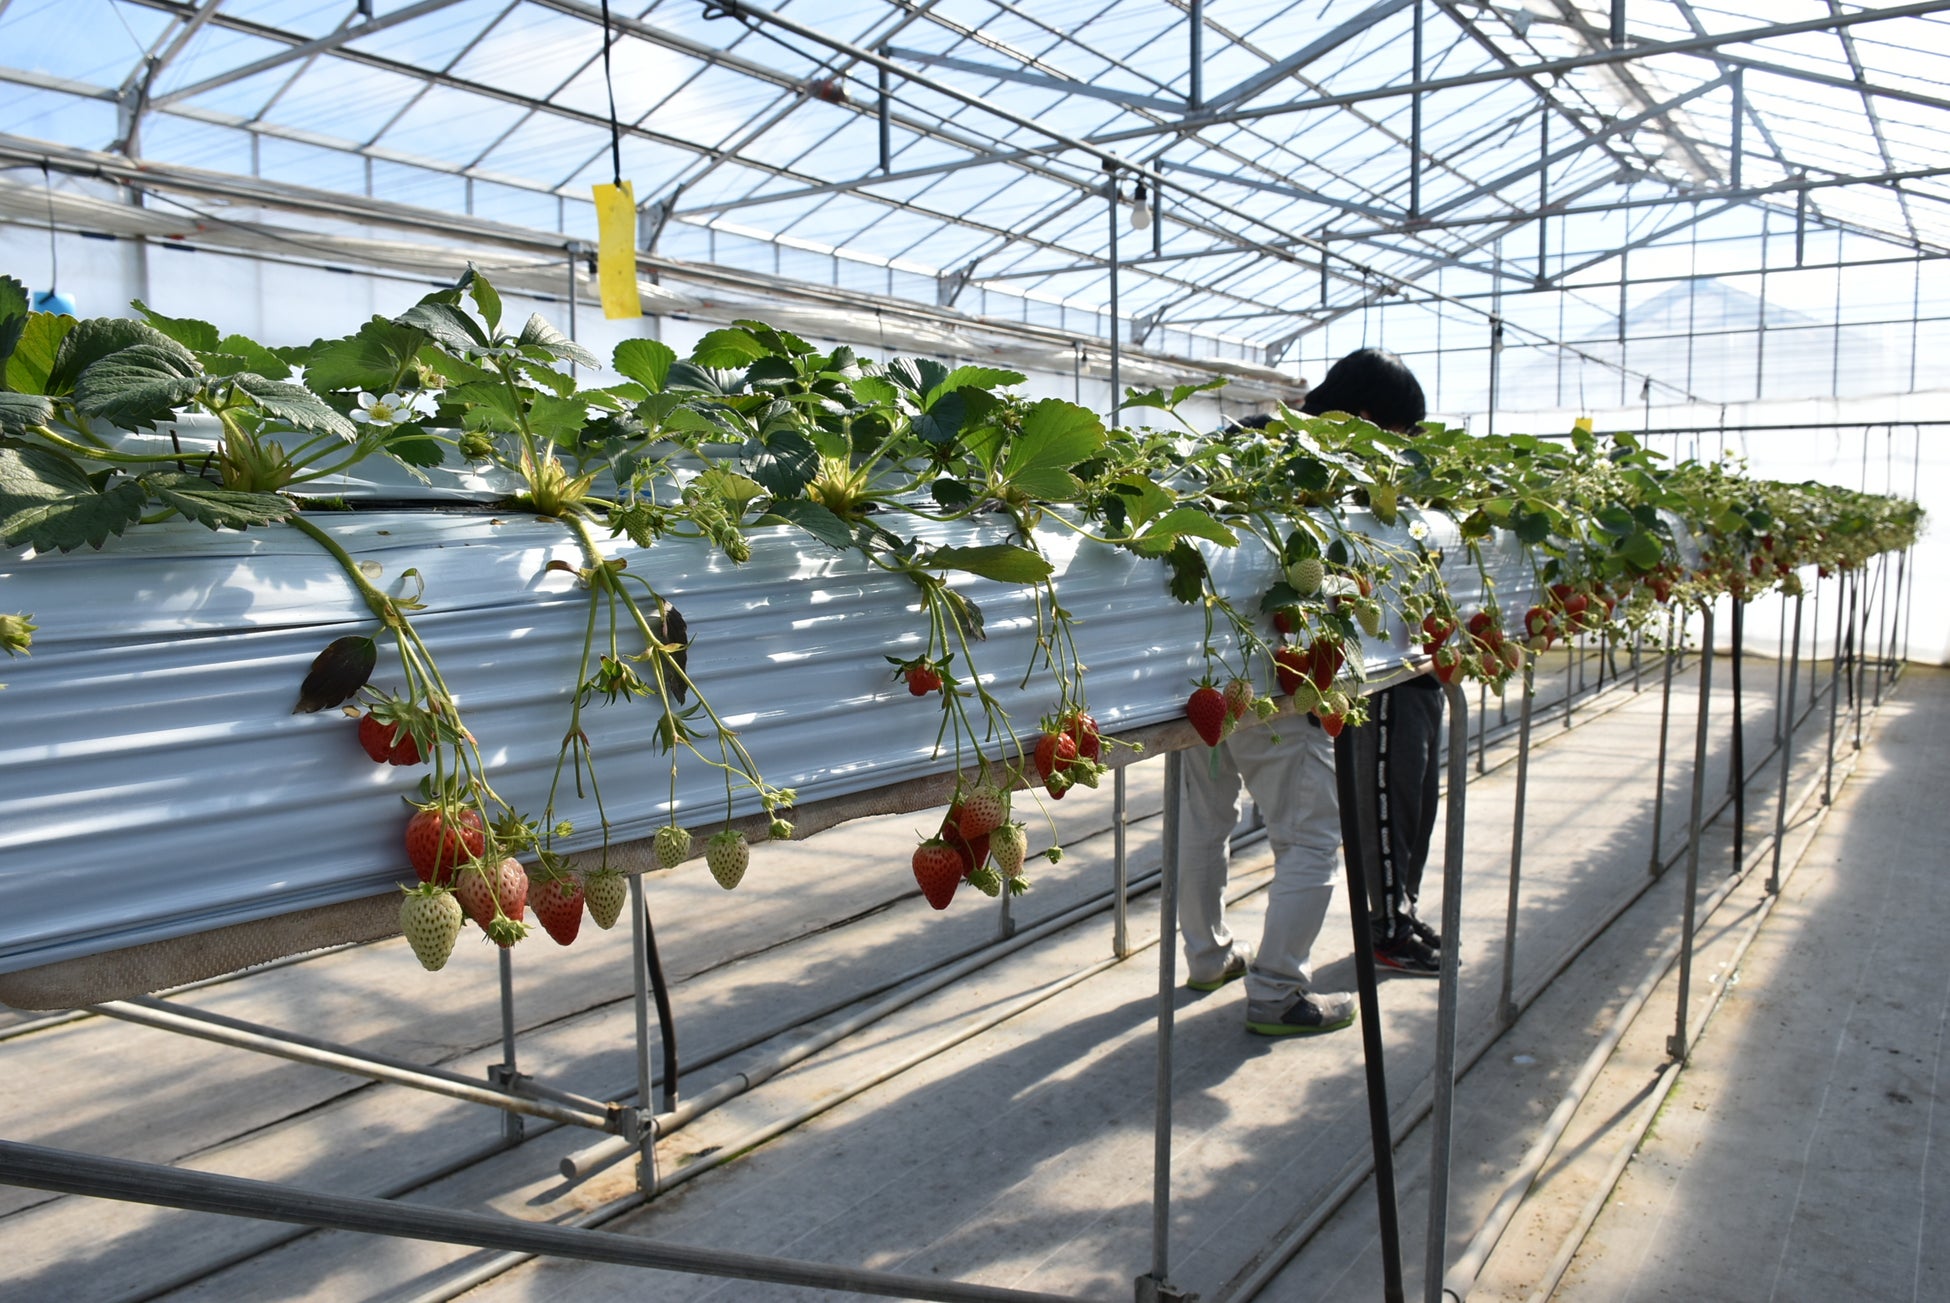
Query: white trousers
x: 1292, y: 781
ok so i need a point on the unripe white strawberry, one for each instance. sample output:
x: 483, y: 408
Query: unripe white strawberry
x: 1007, y: 847
x: 1239, y: 697
x: 1306, y: 575
x: 728, y: 856
x: 1367, y: 613
x: 673, y: 846
x: 429, y: 918
x: 603, y: 892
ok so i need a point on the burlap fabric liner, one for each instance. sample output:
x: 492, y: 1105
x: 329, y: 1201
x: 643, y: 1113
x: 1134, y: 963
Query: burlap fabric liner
x: 158, y: 965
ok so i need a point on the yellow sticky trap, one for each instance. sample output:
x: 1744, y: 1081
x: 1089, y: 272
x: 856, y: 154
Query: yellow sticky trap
x: 616, y: 250
x: 1583, y: 423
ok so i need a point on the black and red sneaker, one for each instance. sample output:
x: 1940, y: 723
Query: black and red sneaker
x: 1407, y: 954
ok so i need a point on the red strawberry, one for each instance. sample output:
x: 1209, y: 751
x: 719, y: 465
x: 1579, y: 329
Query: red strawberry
x: 1286, y: 619
x: 1437, y: 628
x: 1239, y: 698
x: 376, y: 738
x: 938, y: 869
x: 1054, y: 753
x: 1537, y: 621
x: 558, y: 904
x: 1446, y: 664
x: 1292, y: 666
x: 439, y: 841
x: 1327, y: 657
x: 605, y: 891
x: 1561, y: 593
x: 482, y: 890
x: 1333, y: 724
x: 1481, y: 623
x: 1207, y: 711
x: 972, y: 851
x: 1082, y: 730
x: 922, y: 679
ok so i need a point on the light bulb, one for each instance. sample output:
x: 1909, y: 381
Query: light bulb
x: 1140, y: 208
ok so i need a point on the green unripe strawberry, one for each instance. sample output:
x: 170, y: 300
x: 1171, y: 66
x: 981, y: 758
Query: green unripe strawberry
x: 603, y: 892
x: 1007, y: 847
x: 1367, y: 613
x: 986, y: 880
x: 429, y: 918
x: 728, y: 856
x: 1306, y: 575
x: 673, y: 846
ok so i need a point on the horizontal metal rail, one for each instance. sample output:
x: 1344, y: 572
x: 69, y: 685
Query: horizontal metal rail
x: 68, y: 1172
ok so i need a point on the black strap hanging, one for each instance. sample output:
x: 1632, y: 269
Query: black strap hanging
x: 609, y: 85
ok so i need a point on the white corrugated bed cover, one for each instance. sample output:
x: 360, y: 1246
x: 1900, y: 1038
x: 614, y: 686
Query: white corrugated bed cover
x: 154, y: 782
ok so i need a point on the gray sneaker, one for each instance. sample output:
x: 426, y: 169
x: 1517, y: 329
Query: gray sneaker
x: 1237, y: 963
x: 1304, y: 1015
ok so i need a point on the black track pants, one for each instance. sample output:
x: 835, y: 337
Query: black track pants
x: 1388, y: 772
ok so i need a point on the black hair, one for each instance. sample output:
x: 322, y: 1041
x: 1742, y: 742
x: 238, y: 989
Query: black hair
x: 1374, y: 383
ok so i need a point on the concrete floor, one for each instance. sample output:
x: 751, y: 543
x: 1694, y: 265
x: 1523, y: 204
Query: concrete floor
x: 1020, y: 1156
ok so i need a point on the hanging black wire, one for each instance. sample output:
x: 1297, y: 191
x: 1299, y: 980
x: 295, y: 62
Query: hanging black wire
x: 609, y: 85
x: 53, y: 256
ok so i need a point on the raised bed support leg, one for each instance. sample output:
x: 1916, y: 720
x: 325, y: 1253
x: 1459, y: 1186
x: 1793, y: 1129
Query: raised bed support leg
x: 1737, y: 772
x: 1506, y: 1004
x: 1156, y: 1286
x: 1676, y: 1043
x: 1442, y: 1114
x: 1657, y: 861
x: 503, y: 1073
x: 1120, y: 936
x: 1787, y: 753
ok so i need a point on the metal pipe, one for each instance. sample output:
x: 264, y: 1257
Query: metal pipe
x: 1676, y: 1043
x: 1195, y: 57
x: 170, y: 1021
x: 1443, y: 1107
x: 1482, y: 720
x: 503, y: 1073
x: 1787, y: 753
x: 640, y: 987
x: 1780, y: 668
x: 1834, y: 702
x: 1858, y: 650
x: 1570, y: 672
x: 1415, y: 118
x: 1120, y: 867
x: 1882, y: 624
x: 1374, y: 1060
x: 1167, y: 1009
x: 1665, y: 719
x: 1506, y: 1005
x: 1737, y: 772
x: 1116, y: 329
x: 68, y: 1172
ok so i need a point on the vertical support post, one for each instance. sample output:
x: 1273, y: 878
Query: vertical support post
x: 1543, y: 192
x: 1835, y: 672
x: 1800, y: 226
x: 503, y: 1073
x: 1665, y: 719
x: 1617, y: 23
x: 1415, y: 117
x: 1780, y: 668
x: 1482, y: 720
x: 884, y: 112
x: 1882, y: 625
x: 642, y: 991
x: 1120, y: 934
x: 1676, y: 1043
x: 1195, y: 57
x: 1373, y: 1054
x: 1157, y: 1284
x: 1116, y: 323
x: 1443, y: 1108
x: 1739, y: 126
x: 1858, y: 634
x: 571, y: 260
x: 1787, y: 753
x: 1738, y: 770
x: 1506, y: 1004
x: 1571, y: 657
x: 1005, y: 923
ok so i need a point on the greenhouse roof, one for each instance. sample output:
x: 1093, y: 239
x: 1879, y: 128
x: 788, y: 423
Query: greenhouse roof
x: 974, y: 142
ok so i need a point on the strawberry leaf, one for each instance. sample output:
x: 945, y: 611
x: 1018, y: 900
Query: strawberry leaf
x: 21, y: 412
x: 815, y: 519
x: 88, y: 342
x: 374, y: 359
x: 785, y: 463
x: 139, y: 385
x: 187, y: 331
x: 295, y: 405
x: 538, y: 333
x: 727, y: 348
x: 212, y: 505
x: 1055, y: 435
x: 1179, y: 523
x: 48, y: 503
x: 646, y: 361
x: 1002, y: 562
x: 970, y: 377
x: 32, y: 359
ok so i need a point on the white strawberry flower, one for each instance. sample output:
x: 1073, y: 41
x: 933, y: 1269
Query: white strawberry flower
x: 392, y: 409
x: 1418, y: 530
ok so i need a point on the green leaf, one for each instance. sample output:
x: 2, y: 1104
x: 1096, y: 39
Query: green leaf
x: 214, y: 506
x: 48, y: 503
x: 21, y: 412
x: 445, y: 323
x: 32, y: 361
x: 970, y: 377
x: 1188, y: 572
x: 14, y: 299
x: 951, y: 493
x: 538, y: 333
x: 1049, y: 485
x: 1143, y: 499
x: 1615, y: 521
x: 1643, y: 550
x: 486, y: 301
x: 488, y: 396
x: 187, y: 331
x: 917, y: 375
x: 295, y: 405
x: 815, y: 519
x: 876, y: 391
x: 940, y: 425
x: 373, y: 359
x: 560, y: 419
x: 139, y: 385
x: 1184, y: 522
x: 785, y: 463
x: 94, y: 339
x: 646, y: 361
x: 729, y: 347
x: 729, y: 487
x: 1531, y: 527
x: 1054, y: 435
x: 416, y: 449
x: 1003, y: 562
